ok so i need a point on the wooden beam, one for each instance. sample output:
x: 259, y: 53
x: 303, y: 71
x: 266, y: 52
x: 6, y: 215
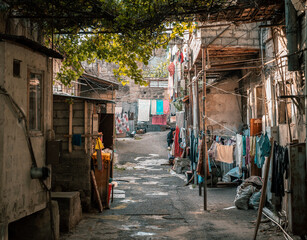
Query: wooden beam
x: 85, y: 126
x: 70, y: 128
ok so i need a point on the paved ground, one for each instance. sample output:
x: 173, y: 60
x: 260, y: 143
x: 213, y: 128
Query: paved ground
x: 153, y: 203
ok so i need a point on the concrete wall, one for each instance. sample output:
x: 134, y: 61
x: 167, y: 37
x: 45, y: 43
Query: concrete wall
x: 19, y: 194
x: 224, y: 107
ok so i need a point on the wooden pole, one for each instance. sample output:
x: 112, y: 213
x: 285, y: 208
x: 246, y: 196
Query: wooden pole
x: 204, y: 142
x: 96, y: 191
x: 263, y: 190
x: 70, y: 128
x: 85, y: 126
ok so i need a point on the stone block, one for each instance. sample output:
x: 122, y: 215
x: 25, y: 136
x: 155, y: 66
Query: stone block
x: 256, y: 42
x: 69, y: 208
x: 254, y: 34
x: 240, y: 34
x: 229, y: 41
x: 243, y: 41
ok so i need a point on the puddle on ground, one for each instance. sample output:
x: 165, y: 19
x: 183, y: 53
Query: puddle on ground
x: 153, y: 227
x: 120, y: 195
x: 153, y: 162
x: 143, y: 234
x: 150, y: 183
x: 157, y: 194
x: 129, y: 227
x: 122, y: 206
x: 156, y: 217
x: 153, y: 155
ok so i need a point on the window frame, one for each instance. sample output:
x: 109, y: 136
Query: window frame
x: 36, y: 132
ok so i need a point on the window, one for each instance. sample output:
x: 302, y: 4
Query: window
x: 35, y: 102
x: 16, y: 68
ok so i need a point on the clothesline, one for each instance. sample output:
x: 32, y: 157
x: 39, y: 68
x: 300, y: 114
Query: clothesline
x: 240, y: 95
x: 219, y: 124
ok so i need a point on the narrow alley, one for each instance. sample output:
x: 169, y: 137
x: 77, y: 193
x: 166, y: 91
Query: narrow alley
x: 152, y: 202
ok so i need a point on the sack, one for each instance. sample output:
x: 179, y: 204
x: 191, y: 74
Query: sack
x: 243, y: 194
x: 254, y: 200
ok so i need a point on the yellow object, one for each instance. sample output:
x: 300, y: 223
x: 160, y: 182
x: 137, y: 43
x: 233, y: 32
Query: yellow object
x: 99, y: 144
x: 106, y: 156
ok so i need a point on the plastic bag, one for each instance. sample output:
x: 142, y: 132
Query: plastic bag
x: 243, y: 194
x: 254, y: 200
x: 232, y: 173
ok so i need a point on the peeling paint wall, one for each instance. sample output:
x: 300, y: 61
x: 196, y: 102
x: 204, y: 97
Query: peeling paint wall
x: 19, y: 194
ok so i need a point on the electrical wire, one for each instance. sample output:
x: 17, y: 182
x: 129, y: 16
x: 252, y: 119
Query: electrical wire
x: 230, y: 130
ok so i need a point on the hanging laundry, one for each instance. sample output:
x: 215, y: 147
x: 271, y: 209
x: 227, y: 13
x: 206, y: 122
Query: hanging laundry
x: 279, y: 168
x: 159, y: 107
x: 252, y: 151
x: 76, y: 139
x: 182, y: 138
x: 153, y: 107
x: 143, y: 107
x: 212, y: 150
x: 239, y: 151
x: 165, y: 106
x: 159, y: 120
x: 180, y: 119
x: 224, y: 153
x: 247, y: 156
x: 263, y: 149
x: 176, y: 142
x: 171, y: 69
x: 244, y: 145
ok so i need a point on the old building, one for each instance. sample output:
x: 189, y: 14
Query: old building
x: 242, y: 81
x: 25, y: 126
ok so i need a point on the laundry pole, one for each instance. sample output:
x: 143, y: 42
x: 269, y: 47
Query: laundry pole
x: 203, y: 117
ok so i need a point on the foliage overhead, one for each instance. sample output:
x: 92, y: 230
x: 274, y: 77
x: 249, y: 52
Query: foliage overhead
x: 124, y: 32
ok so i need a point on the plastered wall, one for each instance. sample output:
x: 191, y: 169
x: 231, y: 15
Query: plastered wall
x: 19, y: 194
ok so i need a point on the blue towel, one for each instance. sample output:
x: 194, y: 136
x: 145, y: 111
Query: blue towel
x: 159, y: 107
x: 76, y: 139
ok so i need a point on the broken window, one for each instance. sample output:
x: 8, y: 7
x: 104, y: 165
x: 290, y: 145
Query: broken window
x: 35, y: 101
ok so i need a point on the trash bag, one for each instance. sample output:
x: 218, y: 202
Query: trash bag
x: 232, y: 173
x: 243, y: 194
x: 254, y: 200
